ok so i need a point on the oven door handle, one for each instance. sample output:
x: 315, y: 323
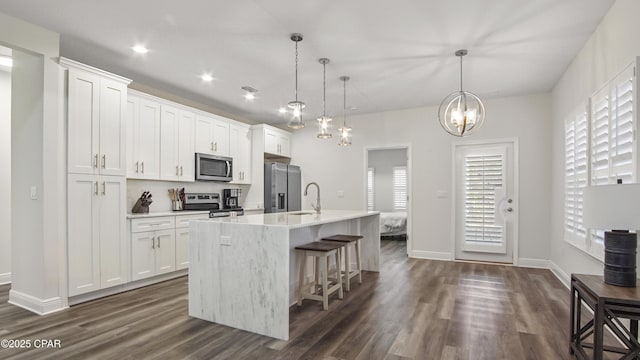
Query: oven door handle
x: 228, y: 168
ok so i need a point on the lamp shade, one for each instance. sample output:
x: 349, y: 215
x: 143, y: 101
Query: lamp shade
x: 612, y: 207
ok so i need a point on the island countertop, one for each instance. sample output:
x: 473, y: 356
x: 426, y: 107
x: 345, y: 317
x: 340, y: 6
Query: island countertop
x: 296, y: 219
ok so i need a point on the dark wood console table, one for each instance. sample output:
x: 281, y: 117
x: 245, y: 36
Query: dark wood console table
x: 610, y: 304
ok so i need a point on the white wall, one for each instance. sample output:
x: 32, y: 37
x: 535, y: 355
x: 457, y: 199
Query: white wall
x: 527, y: 118
x: 612, y: 46
x: 5, y: 174
x: 38, y: 242
x: 383, y: 162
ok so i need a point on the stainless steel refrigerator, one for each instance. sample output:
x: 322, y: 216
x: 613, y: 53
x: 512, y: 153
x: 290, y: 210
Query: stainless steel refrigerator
x: 282, y: 188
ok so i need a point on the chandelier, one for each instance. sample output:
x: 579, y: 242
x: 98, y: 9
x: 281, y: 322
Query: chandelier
x: 461, y: 112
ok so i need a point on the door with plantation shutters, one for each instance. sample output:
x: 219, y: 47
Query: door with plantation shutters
x: 485, y: 205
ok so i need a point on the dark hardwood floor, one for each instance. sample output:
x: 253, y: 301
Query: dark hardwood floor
x: 412, y: 309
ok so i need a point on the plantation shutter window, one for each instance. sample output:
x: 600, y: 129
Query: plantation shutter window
x: 400, y: 188
x: 576, y: 175
x: 484, y: 181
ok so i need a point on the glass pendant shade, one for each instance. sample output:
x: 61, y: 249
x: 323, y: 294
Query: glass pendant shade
x: 345, y: 136
x: 461, y: 112
x: 324, y: 121
x: 324, y: 127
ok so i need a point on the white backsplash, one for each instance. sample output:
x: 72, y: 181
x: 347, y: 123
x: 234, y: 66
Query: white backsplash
x: 160, y: 191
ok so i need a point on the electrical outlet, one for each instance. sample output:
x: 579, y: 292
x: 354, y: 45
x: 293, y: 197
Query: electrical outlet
x: 34, y: 193
x: 442, y: 194
x: 225, y: 240
x: 340, y: 194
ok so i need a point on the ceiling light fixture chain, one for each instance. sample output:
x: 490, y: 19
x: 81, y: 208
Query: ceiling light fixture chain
x: 296, y: 121
x: 324, y: 121
x: 345, y: 131
x: 461, y: 112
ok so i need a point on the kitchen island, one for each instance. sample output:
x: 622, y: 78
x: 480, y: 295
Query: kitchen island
x: 242, y: 269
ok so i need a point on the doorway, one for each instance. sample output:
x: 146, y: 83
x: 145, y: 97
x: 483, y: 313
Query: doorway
x: 485, y: 201
x: 388, y: 191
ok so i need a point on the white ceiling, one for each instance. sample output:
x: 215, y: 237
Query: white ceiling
x: 399, y: 53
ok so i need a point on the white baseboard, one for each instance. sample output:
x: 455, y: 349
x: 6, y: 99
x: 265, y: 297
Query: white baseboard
x: 431, y: 255
x: 560, y: 274
x: 126, y: 287
x: 5, y: 278
x: 533, y: 263
x: 34, y: 304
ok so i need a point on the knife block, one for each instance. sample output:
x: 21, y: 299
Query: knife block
x: 140, y: 207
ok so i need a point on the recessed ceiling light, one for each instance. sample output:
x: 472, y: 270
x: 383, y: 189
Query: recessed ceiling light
x: 140, y: 49
x: 6, y: 61
x: 282, y: 110
x: 207, y: 77
x: 251, y: 92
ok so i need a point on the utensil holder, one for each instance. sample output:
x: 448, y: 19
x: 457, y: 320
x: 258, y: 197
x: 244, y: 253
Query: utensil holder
x: 176, y: 205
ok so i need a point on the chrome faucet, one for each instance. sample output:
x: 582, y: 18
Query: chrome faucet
x: 306, y: 190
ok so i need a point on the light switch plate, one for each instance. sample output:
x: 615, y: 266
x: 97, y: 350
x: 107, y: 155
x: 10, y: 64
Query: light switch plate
x: 340, y: 194
x: 34, y: 193
x: 225, y: 240
x: 442, y: 194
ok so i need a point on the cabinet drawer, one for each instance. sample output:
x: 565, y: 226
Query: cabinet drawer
x: 182, y: 221
x: 153, y: 224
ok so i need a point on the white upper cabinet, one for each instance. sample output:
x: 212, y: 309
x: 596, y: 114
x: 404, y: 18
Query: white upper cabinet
x: 212, y: 135
x: 240, y: 151
x: 276, y: 142
x: 176, y: 144
x: 143, y: 138
x: 96, y: 103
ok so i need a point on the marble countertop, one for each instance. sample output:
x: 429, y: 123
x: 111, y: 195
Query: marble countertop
x: 167, y: 213
x: 296, y: 219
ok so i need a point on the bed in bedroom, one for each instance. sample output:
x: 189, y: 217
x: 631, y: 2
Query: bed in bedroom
x: 393, y: 225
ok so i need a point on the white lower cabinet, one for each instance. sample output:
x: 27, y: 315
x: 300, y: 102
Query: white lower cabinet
x: 97, y: 242
x: 160, y: 245
x: 152, y: 251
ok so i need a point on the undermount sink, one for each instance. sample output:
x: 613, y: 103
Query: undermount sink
x: 302, y: 213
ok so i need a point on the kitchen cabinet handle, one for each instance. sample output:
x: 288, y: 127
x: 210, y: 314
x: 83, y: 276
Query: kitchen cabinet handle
x: 177, y: 173
x: 143, y: 167
x: 95, y: 161
x: 153, y: 242
x: 104, y: 188
x: 96, y: 191
x: 215, y: 145
x: 104, y: 161
x: 158, y: 242
x: 212, y: 146
x: 137, y: 167
x: 180, y: 170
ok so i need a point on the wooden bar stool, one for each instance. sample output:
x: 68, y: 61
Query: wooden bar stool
x: 348, y: 240
x: 322, y: 251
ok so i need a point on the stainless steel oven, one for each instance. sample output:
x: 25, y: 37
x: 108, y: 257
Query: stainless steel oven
x: 213, y: 168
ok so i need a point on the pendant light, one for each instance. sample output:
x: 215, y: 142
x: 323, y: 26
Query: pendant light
x: 345, y: 131
x: 296, y: 106
x: 461, y: 112
x: 324, y: 121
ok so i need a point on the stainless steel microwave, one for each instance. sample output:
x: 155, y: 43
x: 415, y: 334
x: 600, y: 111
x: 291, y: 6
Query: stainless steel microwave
x: 213, y: 168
